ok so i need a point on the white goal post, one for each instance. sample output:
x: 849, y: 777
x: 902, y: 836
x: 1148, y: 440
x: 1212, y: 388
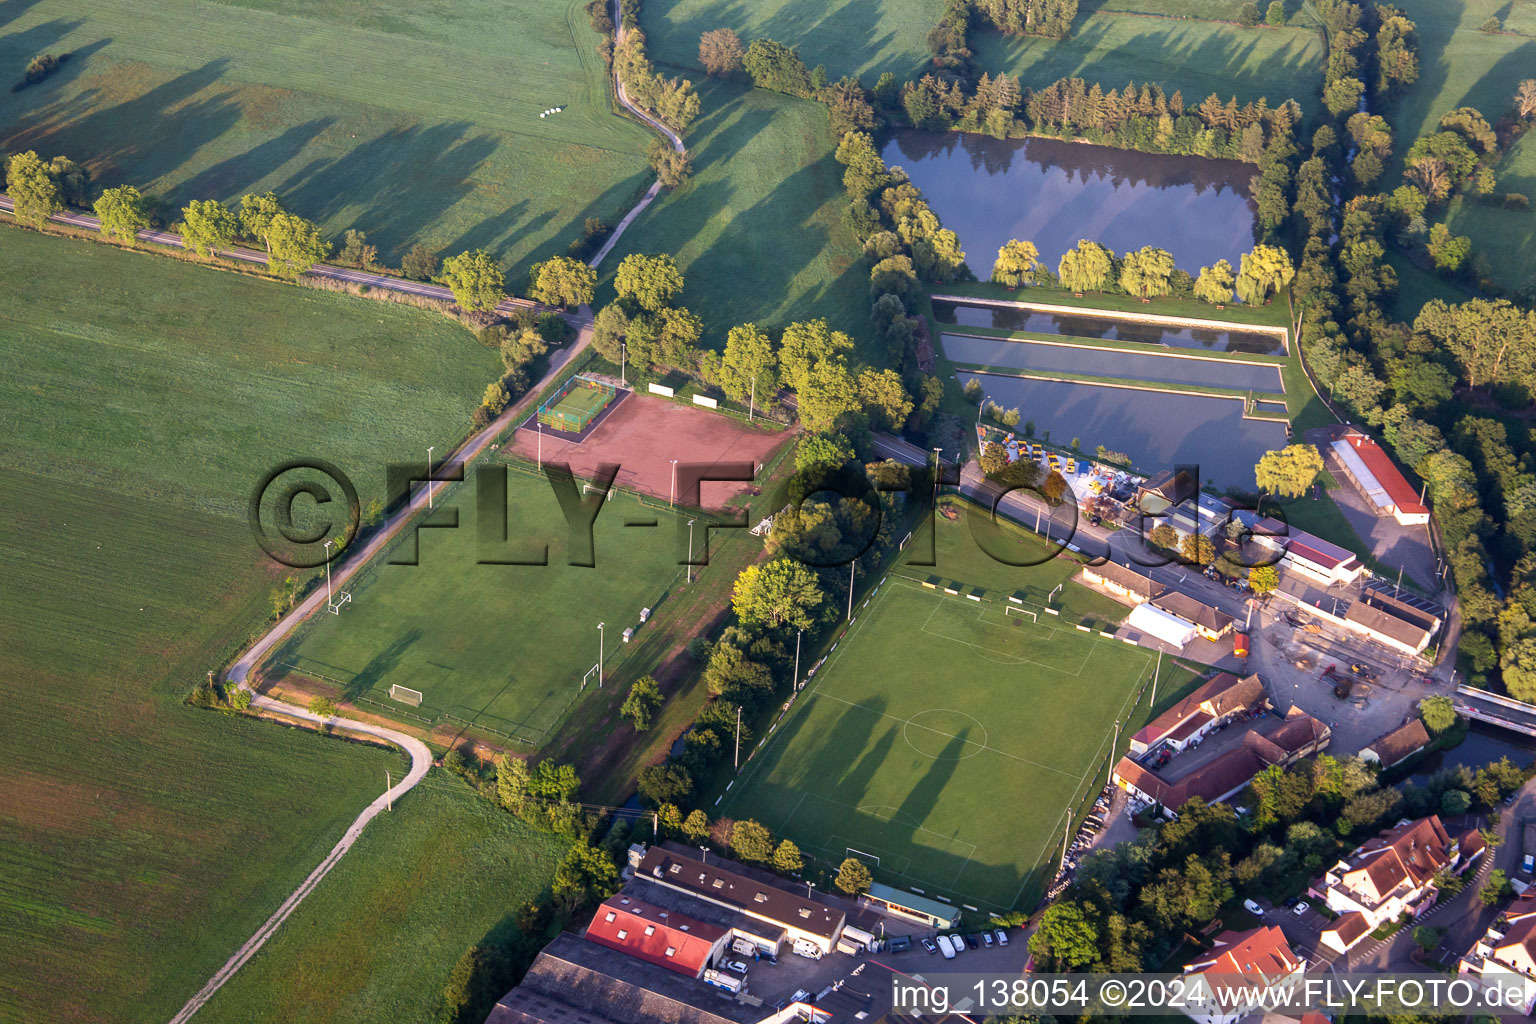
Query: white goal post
x: 405, y: 695
x: 589, y: 488
x: 850, y: 851
x: 588, y: 677
x: 1009, y: 609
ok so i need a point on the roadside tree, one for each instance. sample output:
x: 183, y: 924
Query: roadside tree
x: 475, y: 279
x: 206, y: 225
x: 123, y: 212
x: 294, y: 245
x: 33, y: 190
x: 562, y: 281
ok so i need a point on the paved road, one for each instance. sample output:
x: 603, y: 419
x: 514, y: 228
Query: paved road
x: 421, y: 760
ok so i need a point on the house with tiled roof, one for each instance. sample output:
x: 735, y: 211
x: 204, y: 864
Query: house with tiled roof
x: 1123, y: 581
x: 1252, y: 960
x: 1211, y: 622
x: 1390, y: 875
x: 1397, y: 746
x: 1386, y: 491
x: 1507, y: 951
x: 1387, y: 629
x: 1212, y: 704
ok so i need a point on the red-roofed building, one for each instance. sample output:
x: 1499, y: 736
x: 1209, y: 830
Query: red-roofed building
x: 1507, y: 953
x: 1210, y: 705
x: 1385, y: 489
x: 1253, y: 960
x: 657, y: 936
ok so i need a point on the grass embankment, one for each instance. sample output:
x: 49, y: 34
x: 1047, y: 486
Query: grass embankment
x: 758, y: 230
x: 357, y: 116
x: 377, y: 940
x: 1460, y: 65
x: 145, y: 840
x: 876, y: 758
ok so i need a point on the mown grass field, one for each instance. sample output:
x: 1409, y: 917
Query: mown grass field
x: 946, y: 736
x: 378, y: 939
x: 946, y: 741
x: 1165, y: 41
x: 141, y: 840
x: 504, y: 647
x: 758, y: 231
x: 412, y: 122
x: 1459, y: 65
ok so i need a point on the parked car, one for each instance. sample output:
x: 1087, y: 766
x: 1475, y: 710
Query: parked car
x: 970, y: 940
x: 930, y: 946
x: 1253, y: 908
x: 986, y: 939
x: 734, y: 965
x: 1301, y: 908
x: 955, y: 942
x: 1002, y: 937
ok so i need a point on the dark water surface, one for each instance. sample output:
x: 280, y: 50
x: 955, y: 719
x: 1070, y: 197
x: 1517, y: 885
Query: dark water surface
x: 1053, y: 193
x: 1078, y: 360
x: 1009, y: 318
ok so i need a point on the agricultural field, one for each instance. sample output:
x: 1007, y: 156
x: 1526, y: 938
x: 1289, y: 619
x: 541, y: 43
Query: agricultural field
x: 1463, y: 66
x: 1112, y: 42
x: 1196, y: 57
x: 143, y: 840
x: 506, y: 648
x: 377, y: 940
x: 883, y: 759
x: 412, y: 122
x: 758, y: 231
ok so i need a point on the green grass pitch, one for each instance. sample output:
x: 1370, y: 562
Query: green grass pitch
x: 412, y: 121
x: 948, y: 738
x: 580, y: 404
x: 502, y: 646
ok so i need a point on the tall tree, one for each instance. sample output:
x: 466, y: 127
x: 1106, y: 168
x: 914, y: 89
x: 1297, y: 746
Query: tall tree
x: 257, y: 214
x: 123, y: 213
x: 33, y: 191
x: 206, y: 225
x: 720, y: 51
x: 751, y: 842
x: 1085, y: 268
x: 805, y: 344
x: 1145, y: 273
x: 1017, y: 264
x: 1263, y: 272
x: 1493, y: 341
x: 641, y: 703
x: 1214, y: 285
x: 853, y: 877
x: 1290, y: 471
x: 777, y: 593
x: 562, y: 281
x: 476, y: 280
x: 787, y: 859
x: 651, y: 280
x: 748, y: 367
x: 294, y: 245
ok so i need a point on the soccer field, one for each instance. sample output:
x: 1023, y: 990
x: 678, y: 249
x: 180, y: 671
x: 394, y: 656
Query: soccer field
x: 503, y: 647
x: 948, y: 737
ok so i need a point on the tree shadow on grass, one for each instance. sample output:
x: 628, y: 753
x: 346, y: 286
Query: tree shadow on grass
x: 380, y: 665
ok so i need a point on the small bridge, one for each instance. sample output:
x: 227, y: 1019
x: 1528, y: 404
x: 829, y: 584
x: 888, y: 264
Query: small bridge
x: 1495, y: 709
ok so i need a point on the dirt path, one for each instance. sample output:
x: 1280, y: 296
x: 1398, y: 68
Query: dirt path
x: 421, y: 760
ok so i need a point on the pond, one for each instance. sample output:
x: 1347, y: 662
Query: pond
x: 1053, y: 193
x: 1011, y: 318
x: 1157, y: 430
x: 1072, y: 360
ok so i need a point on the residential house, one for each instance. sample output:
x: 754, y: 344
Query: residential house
x: 1253, y: 960
x: 1170, y: 487
x: 1507, y: 952
x: 1310, y: 557
x: 1388, y: 876
x: 1397, y: 745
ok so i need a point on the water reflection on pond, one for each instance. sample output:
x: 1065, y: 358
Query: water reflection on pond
x: 1053, y: 193
x: 1157, y: 430
x: 1079, y: 360
x: 1484, y: 744
x: 1010, y: 318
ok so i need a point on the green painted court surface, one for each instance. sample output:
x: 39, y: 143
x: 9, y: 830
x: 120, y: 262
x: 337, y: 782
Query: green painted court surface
x: 504, y: 647
x: 947, y: 737
x: 578, y: 406
x: 413, y: 120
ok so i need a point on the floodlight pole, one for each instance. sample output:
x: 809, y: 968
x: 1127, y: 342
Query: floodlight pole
x: 600, y: 655
x: 851, y: 567
x: 1066, y: 837
x: 690, y: 550
x: 388, y: 785
x: 672, y: 500
x: 328, y: 602
x: 1112, y: 748
x: 798, y: 634
x: 752, y: 402
x: 429, y: 477
x: 936, y: 474
x: 1155, y: 672
x: 540, y: 424
x: 736, y: 765
x: 623, y: 363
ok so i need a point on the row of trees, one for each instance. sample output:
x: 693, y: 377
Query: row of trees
x: 1148, y: 272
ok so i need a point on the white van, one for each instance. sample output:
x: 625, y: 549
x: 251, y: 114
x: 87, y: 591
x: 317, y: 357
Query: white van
x: 958, y: 941
x: 946, y: 947
x: 807, y: 949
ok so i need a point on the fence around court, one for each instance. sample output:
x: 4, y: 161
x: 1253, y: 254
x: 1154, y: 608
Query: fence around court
x: 576, y: 403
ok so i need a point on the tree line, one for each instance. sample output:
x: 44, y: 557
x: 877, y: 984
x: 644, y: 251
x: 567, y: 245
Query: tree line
x: 673, y: 101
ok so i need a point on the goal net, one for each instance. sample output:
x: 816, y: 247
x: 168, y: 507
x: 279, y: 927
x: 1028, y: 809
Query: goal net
x: 588, y: 677
x: 1013, y: 610
x: 587, y: 489
x: 405, y: 695
x: 861, y: 855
